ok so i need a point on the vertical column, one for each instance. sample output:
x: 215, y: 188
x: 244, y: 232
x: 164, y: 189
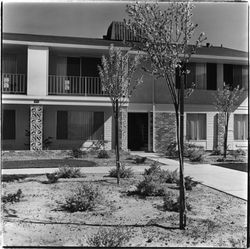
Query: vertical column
x: 38, y: 67
x: 124, y: 129
x: 36, y: 128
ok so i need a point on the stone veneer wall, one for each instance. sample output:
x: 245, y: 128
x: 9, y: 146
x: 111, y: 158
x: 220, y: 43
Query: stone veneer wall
x: 123, y: 131
x: 220, y: 130
x: 165, y: 130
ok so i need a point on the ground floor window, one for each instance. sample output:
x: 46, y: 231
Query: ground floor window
x: 76, y: 125
x: 240, y: 127
x: 196, y: 126
x: 9, y: 124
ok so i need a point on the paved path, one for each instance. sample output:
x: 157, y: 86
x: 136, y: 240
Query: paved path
x: 230, y: 181
x: 227, y: 180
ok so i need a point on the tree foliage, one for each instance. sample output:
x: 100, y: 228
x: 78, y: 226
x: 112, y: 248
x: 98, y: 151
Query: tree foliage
x: 116, y: 74
x: 226, y: 100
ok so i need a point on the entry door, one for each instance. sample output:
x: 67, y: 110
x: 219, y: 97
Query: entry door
x: 138, y: 131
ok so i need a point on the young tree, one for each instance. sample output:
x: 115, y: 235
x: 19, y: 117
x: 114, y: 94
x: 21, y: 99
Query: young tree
x: 165, y: 36
x: 116, y: 74
x: 225, y: 103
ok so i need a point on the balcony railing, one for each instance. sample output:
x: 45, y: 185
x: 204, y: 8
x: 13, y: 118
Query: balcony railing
x: 14, y: 83
x: 75, y: 85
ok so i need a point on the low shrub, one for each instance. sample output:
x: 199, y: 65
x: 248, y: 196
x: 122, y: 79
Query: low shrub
x: 189, y: 183
x: 103, y: 154
x: 237, y: 153
x: 84, y: 198
x: 216, y: 152
x: 69, y: 172
x: 172, y: 204
x: 15, y: 197
x: 124, y: 172
x: 189, y: 148
x: 197, y: 156
x: 53, y: 177
x: 150, y: 187
x: 158, y: 174
x: 114, y: 237
x: 77, y: 153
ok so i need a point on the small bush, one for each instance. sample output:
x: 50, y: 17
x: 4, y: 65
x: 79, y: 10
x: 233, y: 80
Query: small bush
x: 115, y: 237
x: 150, y: 187
x: 197, y: 156
x: 189, y: 183
x: 163, y: 176
x: 77, y: 153
x: 216, y: 152
x: 124, y: 172
x: 53, y: 177
x: 172, y: 204
x: 15, y: 197
x: 103, y: 154
x: 69, y: 172
x: 83, y: 198
x: 237, y: 153
x: 189, y: 148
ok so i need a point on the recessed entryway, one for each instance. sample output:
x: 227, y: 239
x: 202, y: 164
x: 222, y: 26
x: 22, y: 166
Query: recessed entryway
x: 138, y: 131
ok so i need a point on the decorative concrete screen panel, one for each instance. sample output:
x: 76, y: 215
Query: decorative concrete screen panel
x: 36, y: 128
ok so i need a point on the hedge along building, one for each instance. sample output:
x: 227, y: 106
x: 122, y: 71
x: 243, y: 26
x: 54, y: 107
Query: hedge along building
x: 51, y: 88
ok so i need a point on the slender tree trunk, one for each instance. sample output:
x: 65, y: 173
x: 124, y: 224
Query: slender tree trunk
x: 117, y: 147
x: 225, y: 136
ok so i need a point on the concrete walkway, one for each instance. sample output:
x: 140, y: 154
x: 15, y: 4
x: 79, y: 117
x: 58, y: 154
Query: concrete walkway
x: 230, y: 181
x: 226, y: 180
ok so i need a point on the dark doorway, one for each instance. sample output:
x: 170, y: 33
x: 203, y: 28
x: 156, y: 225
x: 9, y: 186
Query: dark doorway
x: 138, y: 131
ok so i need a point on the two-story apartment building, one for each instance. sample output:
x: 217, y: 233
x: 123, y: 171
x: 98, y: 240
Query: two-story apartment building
x: 51, y: 88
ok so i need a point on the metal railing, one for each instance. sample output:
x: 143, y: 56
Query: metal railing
x: 14, y: 83
x: 75, y: 85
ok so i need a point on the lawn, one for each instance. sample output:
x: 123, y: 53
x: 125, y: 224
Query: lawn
x: 55, y: 159
x: 234, y: 165
x: 216, y: 219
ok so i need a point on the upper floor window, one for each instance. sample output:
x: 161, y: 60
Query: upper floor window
x: 9, y: 63
x: 203, y: 75
x: 240, y: 127
x: 196, y: 126
x: 74, y: 66
x: 235, y: 75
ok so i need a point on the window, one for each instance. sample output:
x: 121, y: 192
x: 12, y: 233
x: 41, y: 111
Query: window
x: 196, y: 126
x: 75, y: 125
x: 211, y: 76
x: 240, y: 127
x: 9, y: 124
x: 9, y: 63
x: 233, y: 75
x: 201, y: 79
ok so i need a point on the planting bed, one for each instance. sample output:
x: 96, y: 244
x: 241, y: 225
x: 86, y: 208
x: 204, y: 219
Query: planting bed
x: 216, y: 219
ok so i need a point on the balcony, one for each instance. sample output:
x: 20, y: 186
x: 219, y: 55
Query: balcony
x: 14, y: 83
x: 75, y: 86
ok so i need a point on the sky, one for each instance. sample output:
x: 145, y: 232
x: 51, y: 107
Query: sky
x: 223, y: 22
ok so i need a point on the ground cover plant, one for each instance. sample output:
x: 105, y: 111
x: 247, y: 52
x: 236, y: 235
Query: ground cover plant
x: 69, y: 172
x: 39, y: 219
x: 125, y: 172
x: 109, y: 237
x: 84, y: 197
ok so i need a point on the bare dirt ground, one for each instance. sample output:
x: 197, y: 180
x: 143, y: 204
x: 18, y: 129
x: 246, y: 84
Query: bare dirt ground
x: 216, y: 219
